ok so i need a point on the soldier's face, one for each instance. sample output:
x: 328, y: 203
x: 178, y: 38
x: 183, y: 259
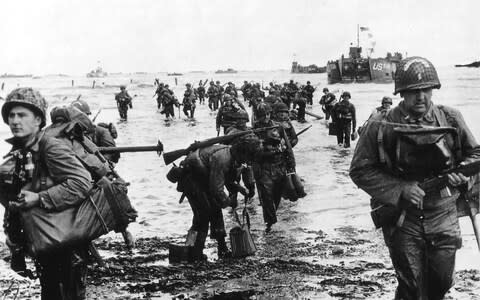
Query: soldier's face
x: 23, y: 122
x: 282, y: 115
x: 417, y: 102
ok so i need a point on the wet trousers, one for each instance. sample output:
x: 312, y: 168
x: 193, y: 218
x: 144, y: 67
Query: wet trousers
x: 310, y: 99
x: 301, y: 112
x: 169, y: 111
x: 213, y: 103
x: 201, y: 98
x: 122, y: 110
x: 269, y: 179
x: 205, y: 213
x: 186, y: 109
x: 63, y: 275
x: 424, y: 263
x: 344, y: 129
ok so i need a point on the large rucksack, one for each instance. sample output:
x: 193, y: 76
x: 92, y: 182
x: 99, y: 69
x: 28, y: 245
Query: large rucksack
x: 106, y: 208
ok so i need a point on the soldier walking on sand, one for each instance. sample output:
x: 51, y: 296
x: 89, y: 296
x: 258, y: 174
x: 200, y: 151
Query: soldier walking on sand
x: 398, y: 150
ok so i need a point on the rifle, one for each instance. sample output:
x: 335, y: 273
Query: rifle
x: 303, y: 130
x: 172, y: 156
x: 158, y: 148
x: 313, y: 115
x: 441, y: 181
x: 94, y: 118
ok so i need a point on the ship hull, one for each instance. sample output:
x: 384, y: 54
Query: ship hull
x: 361, y: 70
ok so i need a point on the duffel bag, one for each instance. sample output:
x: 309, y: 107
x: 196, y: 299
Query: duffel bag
x: 106, y: 208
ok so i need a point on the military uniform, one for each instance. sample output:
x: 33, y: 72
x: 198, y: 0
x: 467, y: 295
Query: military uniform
x: 388, y: 161
x: 124, y: 101
x: 327, y: 102
x: 344, y: 116
x: 208, y: 171
x: 309, y: 90
x: 189, y: 98
x: 201, y: 94
x: 60, y: 181
x: 301, y: 101
x: 226, y: 117
x: 213, y: 97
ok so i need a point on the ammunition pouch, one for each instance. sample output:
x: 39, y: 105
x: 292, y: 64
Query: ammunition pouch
x: 383, y: 215
x: 424, y: 151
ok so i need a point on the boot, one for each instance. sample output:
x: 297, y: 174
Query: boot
x: 222, y: 248
x: 197, y: 249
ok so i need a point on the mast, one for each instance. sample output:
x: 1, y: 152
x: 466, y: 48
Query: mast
x: 358, y: 35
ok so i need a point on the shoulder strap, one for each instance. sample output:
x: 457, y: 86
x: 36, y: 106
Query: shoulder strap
x: 452, y: 122
x: 384, y: 158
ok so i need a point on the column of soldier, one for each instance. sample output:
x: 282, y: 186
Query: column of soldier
x: 52, y: 171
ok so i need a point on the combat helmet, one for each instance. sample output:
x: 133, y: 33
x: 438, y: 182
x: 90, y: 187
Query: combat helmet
x: 387, y: 99
x: 26, y: 97
x: 346, y: 94
x: 280, y: 107
x: 325, y: 90
x: 415, y: 73
x: 82, y: 106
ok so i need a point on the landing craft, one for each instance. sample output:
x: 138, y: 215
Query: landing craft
x: 356, y: 68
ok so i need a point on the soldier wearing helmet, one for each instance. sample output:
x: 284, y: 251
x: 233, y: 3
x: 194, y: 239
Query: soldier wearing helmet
x: 231, y: 113
x: 213, y: 94
x: 231, y: 90
x: 201, y: 91
x: 189, y: 99
x: 309, y: 90
x: 62, y: 274
x: 124, y: 101
x: 270, y: 167
x: 327, y: 102
x: 345, y: 120
x: 208, y: 171
x: 102, y: 134
x: 420, y: 226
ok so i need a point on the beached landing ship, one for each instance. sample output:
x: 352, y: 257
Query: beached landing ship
x: 356, y: 68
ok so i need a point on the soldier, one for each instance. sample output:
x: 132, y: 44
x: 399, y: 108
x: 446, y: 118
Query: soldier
x: 102, y: 135
x: 281, y: 115
x: 220, y: 90
x: 168, y: 102
x: 327, y: 102
x: 189, y: 98
x: 309, y: 90
x: 124, y: 101
x: 246, y: 91
x: 231, y: 90
x: 158, y: 93
x: 386, y: 104
x: 270, y: 167
x: 420, y: 227
x: 206, y: 172
x: 201, y: 91
x: 344, y: 117
x: 213, y: 94
x: 292, y: 89
x: 225, y: 117
x: 63, y: 273
x: 301, y: 101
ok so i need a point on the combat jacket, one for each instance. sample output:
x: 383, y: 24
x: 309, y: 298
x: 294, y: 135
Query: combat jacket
x: 103, y: 138
x: 212, y: 92
x: 58, y: 176
x: 215, y: 166
x: 309, y: 90
x: 225, y: 116
x: 370, y: 169
x: 123, y: 98
x: 344, y: 110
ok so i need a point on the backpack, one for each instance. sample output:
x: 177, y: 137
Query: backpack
x: 107, y: 207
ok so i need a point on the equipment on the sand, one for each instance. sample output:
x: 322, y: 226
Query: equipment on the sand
x: 241, y: 239
x: 314, y: 115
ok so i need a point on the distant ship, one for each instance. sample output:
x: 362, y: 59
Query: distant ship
x: 227, y: 71
x: 97, y: 73
x: 15, y: 75
x: 475, y: 64
x: 297, y: 68
x: 360, y: 69
x: 174, y: 74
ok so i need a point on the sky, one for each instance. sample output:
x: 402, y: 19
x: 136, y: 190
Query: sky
x: 74, y: 36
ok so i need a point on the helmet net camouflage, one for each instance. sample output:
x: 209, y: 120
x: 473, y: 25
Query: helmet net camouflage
x: 415, y: 73
x: 387, y: 100
x: 26, y: 97
x: 263, y: 109
x: 346, y: 94
x: 280, y: 107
